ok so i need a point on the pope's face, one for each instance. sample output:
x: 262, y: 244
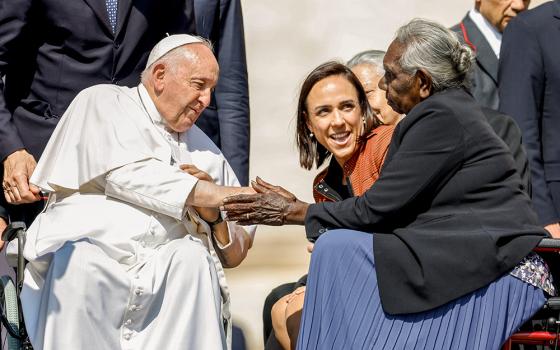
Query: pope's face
x: 500, y: 12
x: 186, y: 90
x: 369, y: 76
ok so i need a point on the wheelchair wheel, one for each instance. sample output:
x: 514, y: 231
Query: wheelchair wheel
x: 9, y: 303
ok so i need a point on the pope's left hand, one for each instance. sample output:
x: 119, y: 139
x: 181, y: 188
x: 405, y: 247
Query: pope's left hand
x: 208, y: 214
x: 196, y: 172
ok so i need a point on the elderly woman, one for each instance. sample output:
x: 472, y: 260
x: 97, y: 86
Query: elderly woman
x: 437, y: 254
x: 368, y: 67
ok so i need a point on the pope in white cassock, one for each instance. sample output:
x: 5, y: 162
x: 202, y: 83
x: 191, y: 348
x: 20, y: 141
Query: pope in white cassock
x: 128, y: 252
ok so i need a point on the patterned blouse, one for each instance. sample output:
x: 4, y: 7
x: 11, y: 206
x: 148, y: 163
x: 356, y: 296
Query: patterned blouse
x: 534, y: 270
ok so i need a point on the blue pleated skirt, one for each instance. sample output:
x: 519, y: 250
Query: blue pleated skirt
x: 342, y: 308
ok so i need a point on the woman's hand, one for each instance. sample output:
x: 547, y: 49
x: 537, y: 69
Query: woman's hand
x: 271, y: 205
x: 207, y: 214
x: 553, y: 229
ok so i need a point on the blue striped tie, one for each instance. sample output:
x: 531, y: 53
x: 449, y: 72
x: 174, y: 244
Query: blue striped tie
x: 112, y: 6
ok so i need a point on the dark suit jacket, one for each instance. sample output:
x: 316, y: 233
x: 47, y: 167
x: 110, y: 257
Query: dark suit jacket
x: 530, y: 92
x: 52, y: 49
x: 448, y: 212
x: 484, y: 76
x: 505, y: 127
x: 226, y: 120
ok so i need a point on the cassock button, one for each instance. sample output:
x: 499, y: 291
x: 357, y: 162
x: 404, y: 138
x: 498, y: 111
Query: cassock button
x: 128, y: 322
x: 138, y: 292
x: 127, y: 336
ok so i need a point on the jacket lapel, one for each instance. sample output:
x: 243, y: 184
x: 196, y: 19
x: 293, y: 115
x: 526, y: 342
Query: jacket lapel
x: 100, y: 10
x: 485, y: 56
x: 122, y: 14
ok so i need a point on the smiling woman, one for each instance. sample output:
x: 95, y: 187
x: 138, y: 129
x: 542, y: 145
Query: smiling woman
x: 333, y: 119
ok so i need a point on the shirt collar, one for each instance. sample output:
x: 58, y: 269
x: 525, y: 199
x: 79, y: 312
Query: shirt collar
x: 490, y: 33
x: 151, y: 109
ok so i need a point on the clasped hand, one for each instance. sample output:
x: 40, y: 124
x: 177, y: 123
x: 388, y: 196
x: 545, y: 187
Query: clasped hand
x: 207, y: 214
x: 271, y: 205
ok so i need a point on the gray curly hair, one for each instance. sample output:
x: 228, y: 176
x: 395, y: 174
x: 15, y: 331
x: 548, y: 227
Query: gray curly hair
x: 430, y: 46
x: 371, y: 57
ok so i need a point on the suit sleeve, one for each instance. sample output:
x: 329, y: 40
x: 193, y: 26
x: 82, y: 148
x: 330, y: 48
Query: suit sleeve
x: 232, y: 92
x: 512, y: 137
x: 521, y: 76
x: 430, y: 152
x: 14, y: 18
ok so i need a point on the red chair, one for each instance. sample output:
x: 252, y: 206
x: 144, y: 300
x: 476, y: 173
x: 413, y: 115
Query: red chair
x: 544, y: 328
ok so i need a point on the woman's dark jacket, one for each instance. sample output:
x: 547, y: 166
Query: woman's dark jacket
x: 448, y: 212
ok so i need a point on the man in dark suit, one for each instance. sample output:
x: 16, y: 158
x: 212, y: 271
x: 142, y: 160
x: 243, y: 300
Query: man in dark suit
x: 482, y: 29
x: 530, y: 92
x: 52, y: 49
x: 226, y: 120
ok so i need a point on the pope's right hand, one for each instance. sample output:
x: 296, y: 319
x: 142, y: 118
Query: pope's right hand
x: 18, y: 168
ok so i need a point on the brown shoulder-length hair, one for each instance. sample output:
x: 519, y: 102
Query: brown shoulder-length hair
x: 310, y: 151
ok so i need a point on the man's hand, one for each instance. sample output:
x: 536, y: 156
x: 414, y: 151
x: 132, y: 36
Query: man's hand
x: 3, y: 225
x: 208, y: 214
x: 553, y: 229
x: 271, y: 205
x: 18, y: 168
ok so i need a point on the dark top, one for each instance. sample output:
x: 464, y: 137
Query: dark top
x: 484, y: 75
x: 530, y: 92
x: 448, y: 212
x: 505, y: 127
x: 52, y: 49
x: 226, y: 120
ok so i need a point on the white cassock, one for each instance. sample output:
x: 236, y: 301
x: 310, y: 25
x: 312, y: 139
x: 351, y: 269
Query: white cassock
x: 116, y: 260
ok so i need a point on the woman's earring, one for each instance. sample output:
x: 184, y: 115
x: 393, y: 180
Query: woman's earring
x: 311, y: 135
